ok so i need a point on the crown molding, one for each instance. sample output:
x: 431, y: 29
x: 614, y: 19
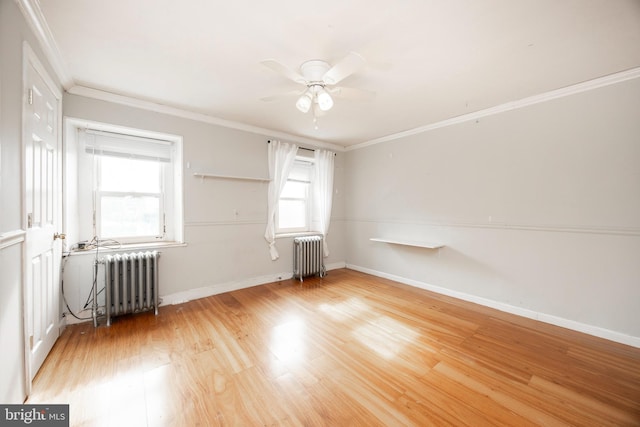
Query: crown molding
x: 35, y: 19
x: 610, y: 79
x: 101, y: 95
x: 37, y: 23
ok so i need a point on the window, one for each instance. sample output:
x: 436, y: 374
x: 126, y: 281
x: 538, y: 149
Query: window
x: 129, y: 186
x: 129, y: 198
x: 300, y: 192
x: 294, y: 206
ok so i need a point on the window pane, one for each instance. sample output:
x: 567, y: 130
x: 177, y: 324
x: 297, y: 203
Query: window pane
x: 129, y: 175
x: 292, y: 214
x: 294, y: 190
x: 129, y: 216
x: 301, y: 171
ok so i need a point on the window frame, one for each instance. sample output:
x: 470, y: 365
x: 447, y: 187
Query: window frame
x: 83, y: 221
x: 306, y: 162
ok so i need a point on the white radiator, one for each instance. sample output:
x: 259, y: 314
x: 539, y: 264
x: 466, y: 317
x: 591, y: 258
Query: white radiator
x: 131, y: 283
x: 308, y: 257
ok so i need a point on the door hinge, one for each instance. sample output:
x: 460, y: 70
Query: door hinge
x: 29, y: 220
x: 30, y: 96
x: 31, y: 342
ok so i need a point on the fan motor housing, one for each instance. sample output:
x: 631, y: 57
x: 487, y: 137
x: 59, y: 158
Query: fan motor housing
x: 314, y: 70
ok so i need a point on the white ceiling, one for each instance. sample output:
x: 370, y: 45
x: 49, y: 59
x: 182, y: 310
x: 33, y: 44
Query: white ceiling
x: 427, y: 61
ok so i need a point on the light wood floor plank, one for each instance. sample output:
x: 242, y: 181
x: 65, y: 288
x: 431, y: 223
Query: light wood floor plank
x: 346, y: 350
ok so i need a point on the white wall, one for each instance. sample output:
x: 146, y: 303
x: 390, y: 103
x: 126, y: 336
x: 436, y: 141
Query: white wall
x: 225, y: 220
x: 13, y: 32
x: 539, y: 209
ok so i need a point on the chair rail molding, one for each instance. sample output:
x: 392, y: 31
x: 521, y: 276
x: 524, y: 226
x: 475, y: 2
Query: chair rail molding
x: 11, y: 238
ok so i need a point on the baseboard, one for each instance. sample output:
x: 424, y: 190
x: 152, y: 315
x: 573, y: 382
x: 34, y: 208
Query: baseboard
x: 68, y: 319
x: 219, y: 288
x: 207, y: 291
x: 507, y: 308
x: 336, y: 266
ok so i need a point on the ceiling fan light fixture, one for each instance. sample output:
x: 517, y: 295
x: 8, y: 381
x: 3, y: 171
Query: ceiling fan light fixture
x: 304, y: 102
x: 325, y: 102
x: 319, y: 77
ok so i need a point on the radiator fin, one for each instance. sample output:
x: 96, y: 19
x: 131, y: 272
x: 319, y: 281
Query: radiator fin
x: 131, y: 283
x: 308, y: 257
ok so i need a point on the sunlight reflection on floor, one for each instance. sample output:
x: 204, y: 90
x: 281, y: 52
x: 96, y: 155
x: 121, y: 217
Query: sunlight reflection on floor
x: 382, y: 334
x: 288, y: 340
x: 385, y: 336
x: 344, y: 310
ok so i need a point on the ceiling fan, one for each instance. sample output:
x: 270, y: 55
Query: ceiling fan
x: 320, y: 80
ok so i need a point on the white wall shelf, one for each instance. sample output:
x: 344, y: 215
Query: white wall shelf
x: 233, y: 177
x: 418, y: 244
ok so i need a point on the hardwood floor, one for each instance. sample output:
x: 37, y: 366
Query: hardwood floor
x: 349, y: 349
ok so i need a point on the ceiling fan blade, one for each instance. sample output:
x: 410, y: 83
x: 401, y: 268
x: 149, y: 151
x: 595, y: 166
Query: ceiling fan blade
x: 284, y: 70
x: 278, y: 96
x: 344, y: 68
x: 352, y: 94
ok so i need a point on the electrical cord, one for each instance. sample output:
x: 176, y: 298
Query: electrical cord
x: 64, y: 298
x: 95, y: 243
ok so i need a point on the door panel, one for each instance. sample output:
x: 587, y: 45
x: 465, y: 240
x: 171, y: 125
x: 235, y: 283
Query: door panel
x: 42, y: 205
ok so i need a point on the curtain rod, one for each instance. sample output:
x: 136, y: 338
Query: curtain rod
x: 112, y: 134
x: 302, y: 148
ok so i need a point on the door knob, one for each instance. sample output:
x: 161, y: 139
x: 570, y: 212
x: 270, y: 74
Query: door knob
x: 59, y: 236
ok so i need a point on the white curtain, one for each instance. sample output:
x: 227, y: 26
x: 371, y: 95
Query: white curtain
x: 281, y: 159
x: 323, y: 192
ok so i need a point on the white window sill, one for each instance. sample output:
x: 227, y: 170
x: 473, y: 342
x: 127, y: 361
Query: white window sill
x: 298, y: 234
x: 129, y: 247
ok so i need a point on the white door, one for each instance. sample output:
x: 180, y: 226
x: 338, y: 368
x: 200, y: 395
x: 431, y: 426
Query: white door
x: 42, y: 207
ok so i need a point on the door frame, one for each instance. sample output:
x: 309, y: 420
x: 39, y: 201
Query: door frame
x: 30, y: 59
